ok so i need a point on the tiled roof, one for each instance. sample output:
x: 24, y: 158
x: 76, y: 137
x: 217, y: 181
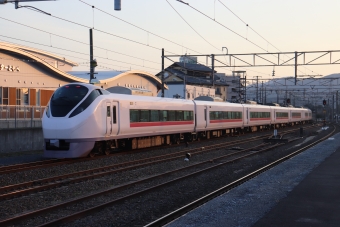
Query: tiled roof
x: 193, y: 67
x: 192, y: 79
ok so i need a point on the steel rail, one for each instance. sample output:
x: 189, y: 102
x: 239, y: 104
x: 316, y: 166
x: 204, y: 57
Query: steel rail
x: 36, y: 185
x: 97, y: 208
x: 91, y: 210
x: 185, y: 209
x: 11, y: 191
x: 27, y: 215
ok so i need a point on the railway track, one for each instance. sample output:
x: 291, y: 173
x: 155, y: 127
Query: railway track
x: 185, y: 209
x: 54, y: 162
x: 29, y: 187
x: 196, y: 169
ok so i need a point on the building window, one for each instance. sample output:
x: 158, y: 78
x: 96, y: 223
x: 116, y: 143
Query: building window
x: 188, y: 95
x: 5, y: 95
x: 38, y: 98
x: 24, y: 97
x: 0, y: 95
x: 18, y: 100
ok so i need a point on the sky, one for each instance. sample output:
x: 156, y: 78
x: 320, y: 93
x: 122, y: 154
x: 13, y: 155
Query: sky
x: 133, y: 37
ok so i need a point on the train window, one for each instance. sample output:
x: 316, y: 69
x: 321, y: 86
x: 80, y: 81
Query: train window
x: 239, y: 115
x: 144, y: 116
x: 114, y: 114
x: 88, y: 100
x: 171, y: 115
x: 259, y: 114
x: 179, y: 115
x: 66, y: 98
x: 219, y: 115
x: 160, y: 115
x: 297, y: 115
x: 188, y: 115
x: 134, y: 115
x: 281, y: 114
x: 163, y: 116
x: 154, y: 115
x: 108, y: 112
x: 104, y: 92
x: 212, y: 115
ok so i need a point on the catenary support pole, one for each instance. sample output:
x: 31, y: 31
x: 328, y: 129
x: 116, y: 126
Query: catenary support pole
x: 91, y: 57
x: 295, y: 67
x: 162, y: 72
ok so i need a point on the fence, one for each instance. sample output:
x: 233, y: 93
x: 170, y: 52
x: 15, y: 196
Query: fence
x: 12, y: 117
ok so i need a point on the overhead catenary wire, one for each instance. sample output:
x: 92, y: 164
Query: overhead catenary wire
x: 74, y: 51
x: 103, y: 11
x: 77, y: 41
x: 191, y: 26
x: 34, y: 61
x: 108, y: 33
x: 248, y: 26
x: 245, y: 38
x: 79, y: 24
x: 239, y: 35
x: 148, y: 32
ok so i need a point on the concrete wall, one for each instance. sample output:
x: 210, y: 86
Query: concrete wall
x: 13, y: 124
x: 17, y: 140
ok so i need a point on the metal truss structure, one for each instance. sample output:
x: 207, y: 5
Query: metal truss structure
x: 311, y: 89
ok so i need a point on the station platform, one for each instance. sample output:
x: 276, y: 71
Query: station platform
x: 302, y: 191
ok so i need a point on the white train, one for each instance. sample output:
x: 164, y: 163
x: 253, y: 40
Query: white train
x: 83, y: 119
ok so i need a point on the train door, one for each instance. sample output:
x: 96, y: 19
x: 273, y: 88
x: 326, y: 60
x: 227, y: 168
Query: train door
x: 195, y: 115
x: 112, y: 125
x: 206, y: 115
x: 108, y: 119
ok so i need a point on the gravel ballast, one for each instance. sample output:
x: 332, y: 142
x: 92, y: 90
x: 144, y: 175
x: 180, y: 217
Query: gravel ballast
x: 246, y: 204
x: 138, y: 211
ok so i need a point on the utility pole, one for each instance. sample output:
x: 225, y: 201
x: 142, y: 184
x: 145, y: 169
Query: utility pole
x: 295, y: 67
x: 245, y: 89
x: 93, y: 62
x: 91, y: 56
x: 162, y: 72
x: 332, y: 107
x: 257, y: 88
x: 265, y: 95
x: 262, y: 98
x: 337, y: 105
x: 213, y: 69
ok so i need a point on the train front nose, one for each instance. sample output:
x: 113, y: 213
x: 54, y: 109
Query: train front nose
x: 60, y: 123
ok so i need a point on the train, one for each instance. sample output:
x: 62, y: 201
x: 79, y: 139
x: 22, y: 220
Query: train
x: 84, y: 120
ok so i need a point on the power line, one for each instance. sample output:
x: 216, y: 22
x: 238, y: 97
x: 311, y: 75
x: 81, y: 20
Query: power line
x: 254, y: 30
x: 108, y: 33
x: 190, y: 26
x: 82, y: 25
x: 222, y: 25
x: 245, y: 38
x: 137, y: 26
x: 29, y: 60
x: 74, y: 51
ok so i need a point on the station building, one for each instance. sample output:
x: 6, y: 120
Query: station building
x: 189, y: 80
x: 29, y: 76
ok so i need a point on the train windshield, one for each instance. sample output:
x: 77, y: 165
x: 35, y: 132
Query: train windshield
x: 66, y: 98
